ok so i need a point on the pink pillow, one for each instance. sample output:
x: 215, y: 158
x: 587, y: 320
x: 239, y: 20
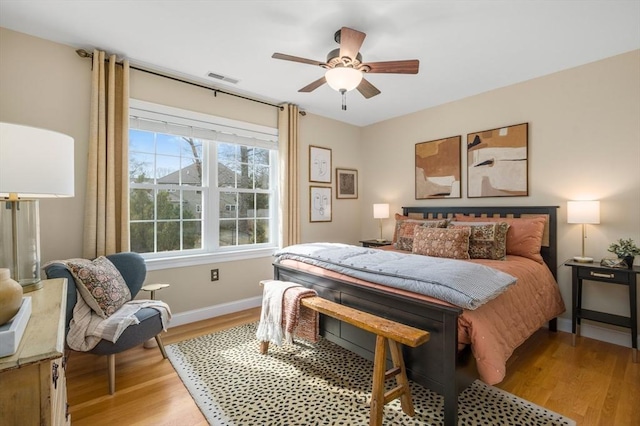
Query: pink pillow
x: 524, y: 237
x: 442, y: 242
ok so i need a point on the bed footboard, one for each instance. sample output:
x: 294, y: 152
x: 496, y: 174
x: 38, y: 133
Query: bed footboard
x: 434, y: 364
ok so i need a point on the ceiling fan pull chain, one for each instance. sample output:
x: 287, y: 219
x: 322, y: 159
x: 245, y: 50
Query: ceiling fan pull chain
x: 344, y: 99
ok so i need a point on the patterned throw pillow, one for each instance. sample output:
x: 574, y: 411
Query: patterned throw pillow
x: 442, y: 242
x: 440, y: 223
x: 405, y: 230
x: 524, y: 237
x: 100, y: 284
x: 487, y: 240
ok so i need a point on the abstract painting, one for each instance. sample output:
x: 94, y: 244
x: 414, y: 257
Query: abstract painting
x: 319, y: 164
x: 497, y: 162
x: 438, y: 168
x: 320, y: 204
x: 346, y: 183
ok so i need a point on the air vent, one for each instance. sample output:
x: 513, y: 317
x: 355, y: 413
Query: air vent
x: 223, y: 78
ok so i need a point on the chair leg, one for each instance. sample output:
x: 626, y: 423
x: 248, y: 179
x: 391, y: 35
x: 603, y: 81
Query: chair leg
x: 111, y: 362
x: 161, y: 346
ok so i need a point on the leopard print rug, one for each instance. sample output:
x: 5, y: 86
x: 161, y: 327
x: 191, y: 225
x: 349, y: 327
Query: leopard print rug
x: 318, y: 384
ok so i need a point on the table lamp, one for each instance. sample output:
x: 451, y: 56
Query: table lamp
x: 583, y: 212
x: 380, y: 211
x: 34, y: 163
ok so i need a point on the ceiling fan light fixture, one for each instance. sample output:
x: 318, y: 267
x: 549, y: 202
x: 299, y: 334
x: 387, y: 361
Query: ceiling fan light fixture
x: 343, y: 78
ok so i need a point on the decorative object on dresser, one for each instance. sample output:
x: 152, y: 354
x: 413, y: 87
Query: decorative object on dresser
x: 626, y: 250
x: 319, y: 204
x: 380, y: 211
x: 319, y: 164
x: 497, y: 162
x: 583, y: 212
x: 10, y: 296
x: 34, y: 388
x: 346, y: 183
x: 438, y: 168
x: 34, y: 163
x: 591, y: 272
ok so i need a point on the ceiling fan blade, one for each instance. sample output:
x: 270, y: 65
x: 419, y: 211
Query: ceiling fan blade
x: 409, y: 66
x: 313, y: 86
x: 367, y: 89
x: 350, y: 42
x: 296, y: 59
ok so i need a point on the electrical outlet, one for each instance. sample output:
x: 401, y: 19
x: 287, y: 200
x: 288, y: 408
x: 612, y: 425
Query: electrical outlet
x: 215, y: 275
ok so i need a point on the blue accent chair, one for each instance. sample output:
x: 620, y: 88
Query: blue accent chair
x: 133, y: 269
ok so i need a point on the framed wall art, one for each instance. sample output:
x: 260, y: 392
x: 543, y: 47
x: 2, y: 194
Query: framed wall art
x: 319, y: 164
x: 320, y: 204
x: 438, y: 168
x: 346, y: 183
x: 497, y: 162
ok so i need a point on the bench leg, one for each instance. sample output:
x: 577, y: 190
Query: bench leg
x: 401, y: 378
x: 264, y: 347
x: 377, y: 391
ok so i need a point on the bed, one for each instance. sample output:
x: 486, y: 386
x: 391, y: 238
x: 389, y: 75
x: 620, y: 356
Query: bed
x: 446, y: 364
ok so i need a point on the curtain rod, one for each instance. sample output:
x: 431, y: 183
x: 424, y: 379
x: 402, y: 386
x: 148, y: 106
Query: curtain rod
x: 84, y: 54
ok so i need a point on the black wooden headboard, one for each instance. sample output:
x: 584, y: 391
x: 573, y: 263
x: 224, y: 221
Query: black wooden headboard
x: 549, y: 250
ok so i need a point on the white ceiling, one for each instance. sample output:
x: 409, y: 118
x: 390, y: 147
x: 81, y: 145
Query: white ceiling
x: 464, y: 47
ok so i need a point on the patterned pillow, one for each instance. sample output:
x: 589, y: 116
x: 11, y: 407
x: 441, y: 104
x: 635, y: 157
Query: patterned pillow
x: 405, y: 230
x: 440, y: 223
x: 442, y: 242
x: 524, y: 237
x: 487, y: 240
x: 100, y: 284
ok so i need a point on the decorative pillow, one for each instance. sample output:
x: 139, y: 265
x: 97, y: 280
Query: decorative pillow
x: 100, y: 284
x: 441, y: 223
x: 487, y: 240
x: 442, y: 242
x: 405, y: 230
x: 524, y: 237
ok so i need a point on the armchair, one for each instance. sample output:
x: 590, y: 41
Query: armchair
x: 133, y: 269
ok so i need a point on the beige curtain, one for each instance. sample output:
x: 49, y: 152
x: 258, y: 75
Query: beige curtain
x: 289, y: 200
x: 106, y: 221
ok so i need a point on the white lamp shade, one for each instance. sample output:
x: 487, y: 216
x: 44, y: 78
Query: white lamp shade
x: 583, y: 211
x: 343, y: 78
x: 35, y: 163
x: 380, y: 211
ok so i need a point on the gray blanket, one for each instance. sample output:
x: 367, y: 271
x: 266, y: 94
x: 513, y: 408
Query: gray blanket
x: 464, y: 284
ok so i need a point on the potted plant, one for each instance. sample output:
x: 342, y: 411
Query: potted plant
x: 625, y: 249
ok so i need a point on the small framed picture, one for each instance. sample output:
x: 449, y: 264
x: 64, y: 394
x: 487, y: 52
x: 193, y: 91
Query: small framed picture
x: 319, y: 204
x: 319, y: 164
x: 346, y: 183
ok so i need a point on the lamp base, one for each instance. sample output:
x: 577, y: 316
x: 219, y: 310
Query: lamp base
x: 381, y: 240
x: 33, y: 286
x: 583, y: 259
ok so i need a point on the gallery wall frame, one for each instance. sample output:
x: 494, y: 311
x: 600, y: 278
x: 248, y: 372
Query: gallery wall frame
x: 346, y: 183
x: 438, y: 168
x: 319, y: 164
x: 319, y: 204
x: 497, y: 162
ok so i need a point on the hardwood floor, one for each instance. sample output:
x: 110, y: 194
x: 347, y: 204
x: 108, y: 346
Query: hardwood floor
x: 594, y: 383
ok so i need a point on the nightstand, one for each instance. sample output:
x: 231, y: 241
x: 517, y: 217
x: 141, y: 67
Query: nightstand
x: 375, y: 243
x: 619, y: 276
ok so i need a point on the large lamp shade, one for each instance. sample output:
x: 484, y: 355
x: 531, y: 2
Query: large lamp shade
x: 34, y: 163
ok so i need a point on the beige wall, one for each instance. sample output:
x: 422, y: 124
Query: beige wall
x: 584, y: 141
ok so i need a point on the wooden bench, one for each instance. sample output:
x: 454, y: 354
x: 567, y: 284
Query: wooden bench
x: 386, y: 331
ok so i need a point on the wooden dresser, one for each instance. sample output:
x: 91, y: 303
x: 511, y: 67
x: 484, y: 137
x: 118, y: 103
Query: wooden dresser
x: 33, y: 387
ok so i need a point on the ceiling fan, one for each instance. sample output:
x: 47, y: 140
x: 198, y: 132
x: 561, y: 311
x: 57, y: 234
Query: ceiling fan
x: 345, y: 68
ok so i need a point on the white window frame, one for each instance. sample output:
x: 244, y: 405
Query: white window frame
x: 161, y: 119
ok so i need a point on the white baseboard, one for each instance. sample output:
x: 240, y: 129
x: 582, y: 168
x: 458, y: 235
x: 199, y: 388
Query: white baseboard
x: 616, y: 337
x: 187, y: 317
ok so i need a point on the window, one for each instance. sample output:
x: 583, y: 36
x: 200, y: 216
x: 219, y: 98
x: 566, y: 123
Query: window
x: 200, y: 185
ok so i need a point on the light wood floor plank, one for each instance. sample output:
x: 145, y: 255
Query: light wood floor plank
x: 594, y: 383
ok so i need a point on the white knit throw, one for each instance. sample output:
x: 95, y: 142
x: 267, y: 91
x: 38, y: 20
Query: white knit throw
x: 270, y: 326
